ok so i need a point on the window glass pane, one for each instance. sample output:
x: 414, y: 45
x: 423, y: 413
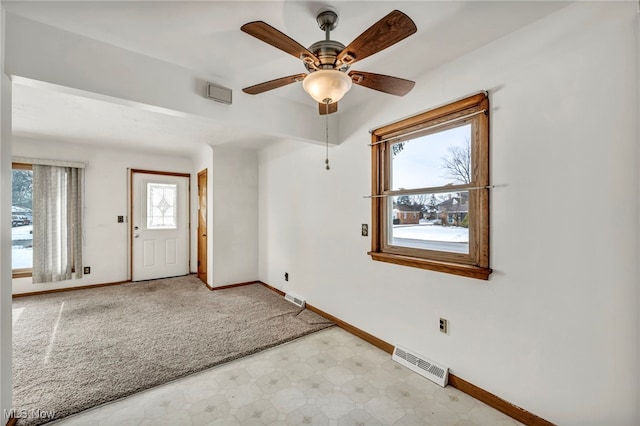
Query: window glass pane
x: 21, y: 219
x: 161, y: 205
x: 430, y: 221
x: 433, y: 160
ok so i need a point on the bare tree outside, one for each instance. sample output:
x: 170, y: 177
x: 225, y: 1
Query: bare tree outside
x: 457, y: 166
x: 22, y: 188
x: 396, y: 148
x: 419, y: 199
x: 457, y: 163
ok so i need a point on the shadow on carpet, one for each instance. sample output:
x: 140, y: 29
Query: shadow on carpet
x: 79, y: 349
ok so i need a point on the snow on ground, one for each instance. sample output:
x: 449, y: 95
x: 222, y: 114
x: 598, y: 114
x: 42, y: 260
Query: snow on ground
x: 21, y: 233
x: 22, y: 252
x: 21, y: 257
x: 450, y: 234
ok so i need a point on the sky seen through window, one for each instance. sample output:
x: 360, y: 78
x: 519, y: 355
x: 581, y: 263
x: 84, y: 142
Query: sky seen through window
x: 420, y: 163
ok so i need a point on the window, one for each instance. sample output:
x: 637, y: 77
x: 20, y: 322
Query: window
x: 161, y: 205
x: 46, y: 237
x: 430, y: 181
x: 21, y: 220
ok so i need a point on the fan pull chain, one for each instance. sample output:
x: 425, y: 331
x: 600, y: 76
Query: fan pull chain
x: 326, y: 161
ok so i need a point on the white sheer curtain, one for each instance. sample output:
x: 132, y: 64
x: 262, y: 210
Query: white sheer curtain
x: 57, y: 223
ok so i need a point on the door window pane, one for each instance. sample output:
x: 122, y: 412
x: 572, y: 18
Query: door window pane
x: 161, y: 205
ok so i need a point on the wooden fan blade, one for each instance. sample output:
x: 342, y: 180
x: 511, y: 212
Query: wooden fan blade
x: 382, y: 83
x: 386, y: 32
x: 273, y: 84
x: 265, y: 32
x: 322, y: 108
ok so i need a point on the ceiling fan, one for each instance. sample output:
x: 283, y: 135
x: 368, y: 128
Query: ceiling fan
x: 328, y: 61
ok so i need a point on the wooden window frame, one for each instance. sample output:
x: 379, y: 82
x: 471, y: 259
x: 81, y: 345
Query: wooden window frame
x: 21, y: 272
x: 473, y: 110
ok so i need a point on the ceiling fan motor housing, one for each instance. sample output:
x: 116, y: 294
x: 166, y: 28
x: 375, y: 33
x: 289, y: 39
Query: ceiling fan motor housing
x: 327, y: 52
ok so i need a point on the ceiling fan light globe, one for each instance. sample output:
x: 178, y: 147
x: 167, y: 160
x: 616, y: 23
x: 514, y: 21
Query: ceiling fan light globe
x: 327, y: 84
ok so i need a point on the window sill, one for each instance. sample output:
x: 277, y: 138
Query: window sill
x: 433, y: 265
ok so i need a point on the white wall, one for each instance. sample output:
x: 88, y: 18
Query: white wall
x: 106, y: 195
x: 5, y: 232
x: 555, y: 330
x: 234, y: 229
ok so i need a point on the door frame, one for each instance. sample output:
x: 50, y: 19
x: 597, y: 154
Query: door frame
x: 131, y: 233
x: 202, y: 260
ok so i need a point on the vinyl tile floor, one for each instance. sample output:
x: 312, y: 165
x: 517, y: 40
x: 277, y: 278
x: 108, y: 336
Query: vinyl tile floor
x: 326, y: 378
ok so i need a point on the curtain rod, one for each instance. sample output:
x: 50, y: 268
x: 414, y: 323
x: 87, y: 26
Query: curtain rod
x: 47, y: 162
x: 433, y: 191
x: 435, y: 126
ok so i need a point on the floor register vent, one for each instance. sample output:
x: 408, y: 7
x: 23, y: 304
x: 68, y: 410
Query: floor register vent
x: 421, y: 365
x: 298, y: 301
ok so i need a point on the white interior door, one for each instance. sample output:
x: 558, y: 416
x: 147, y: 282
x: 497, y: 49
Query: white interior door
x: 159, y: 226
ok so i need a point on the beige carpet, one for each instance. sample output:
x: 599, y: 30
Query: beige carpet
x: 78, y: 349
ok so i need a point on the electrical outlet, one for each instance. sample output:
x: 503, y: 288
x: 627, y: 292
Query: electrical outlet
x: 365, y: 229
x: 286, y: 276
x: 120, y: 219
x: 444, y: 326
x: 87, y: 270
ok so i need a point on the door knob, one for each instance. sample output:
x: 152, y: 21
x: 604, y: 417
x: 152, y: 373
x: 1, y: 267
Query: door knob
x: 136, y: 228
x: 136, y: 236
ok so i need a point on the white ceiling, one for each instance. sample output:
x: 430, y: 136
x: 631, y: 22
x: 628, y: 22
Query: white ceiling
x: 205, y: 36
x: 43, y: 113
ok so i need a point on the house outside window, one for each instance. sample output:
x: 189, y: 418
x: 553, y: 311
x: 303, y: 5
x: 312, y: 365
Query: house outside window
x: 430, y: 181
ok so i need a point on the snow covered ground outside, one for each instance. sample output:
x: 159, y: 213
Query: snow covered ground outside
x: 452, y: 239
x: 22, y: 233
x: 449, y: 234
x: 22, y: 251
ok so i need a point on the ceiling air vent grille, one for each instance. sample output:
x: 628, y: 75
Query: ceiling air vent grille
x: 421, y: 365
x: 219, y: 94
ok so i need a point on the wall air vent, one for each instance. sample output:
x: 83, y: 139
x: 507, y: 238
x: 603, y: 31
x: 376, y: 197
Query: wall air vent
x: 219, y: 94
x: 298, y: 301
x: 421, y: 365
